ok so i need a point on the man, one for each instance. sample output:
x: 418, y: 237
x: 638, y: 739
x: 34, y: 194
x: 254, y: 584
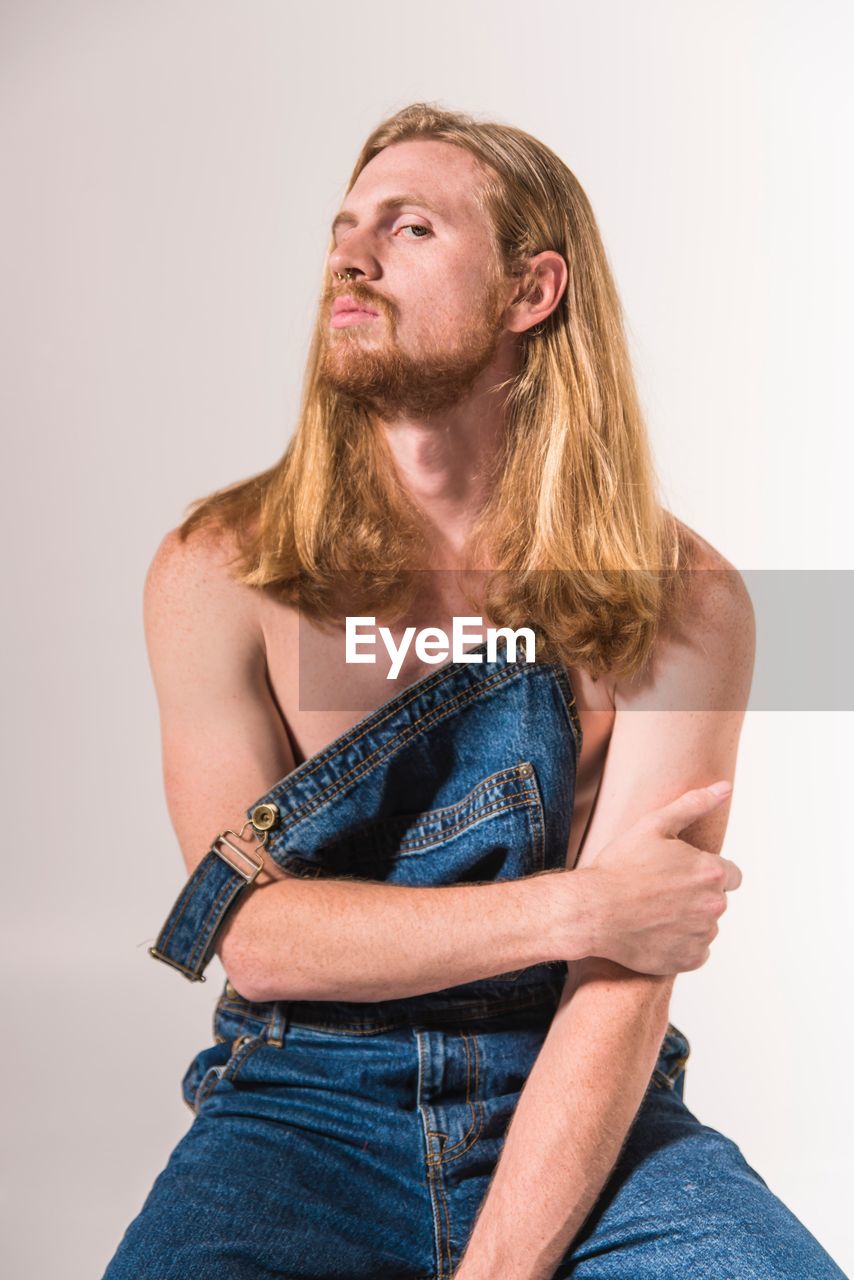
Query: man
x: 469, y: 410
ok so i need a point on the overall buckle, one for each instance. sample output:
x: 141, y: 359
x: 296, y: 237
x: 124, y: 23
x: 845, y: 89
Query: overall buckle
x: 251, y: 868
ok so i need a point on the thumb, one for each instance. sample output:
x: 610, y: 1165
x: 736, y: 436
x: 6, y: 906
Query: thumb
x: 672, y: 818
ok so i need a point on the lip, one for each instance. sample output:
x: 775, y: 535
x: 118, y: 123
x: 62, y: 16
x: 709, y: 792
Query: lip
x: 346, y: 319
x: 348, y: 306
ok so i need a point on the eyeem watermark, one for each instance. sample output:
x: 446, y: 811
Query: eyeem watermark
x: 432, y: 643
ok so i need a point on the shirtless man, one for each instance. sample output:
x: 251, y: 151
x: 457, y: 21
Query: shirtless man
x: 420, y: 324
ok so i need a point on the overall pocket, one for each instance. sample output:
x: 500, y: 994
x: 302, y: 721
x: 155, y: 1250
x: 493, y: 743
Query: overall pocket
x: 494, y: 831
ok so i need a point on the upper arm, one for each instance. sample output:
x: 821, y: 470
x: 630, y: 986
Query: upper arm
x: 223, y: 740
x: 679, y: 727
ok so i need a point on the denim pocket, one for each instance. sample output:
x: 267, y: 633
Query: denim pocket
x: 239, y: 1026
x: 672, y: 1059
x: 218, y: 1062
x: 494, y: 831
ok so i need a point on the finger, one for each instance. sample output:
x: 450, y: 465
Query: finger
x: 733, y: 875
x: 691, y: 805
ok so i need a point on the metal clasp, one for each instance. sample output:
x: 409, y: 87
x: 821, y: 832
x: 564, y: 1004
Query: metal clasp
x: 256, y: 866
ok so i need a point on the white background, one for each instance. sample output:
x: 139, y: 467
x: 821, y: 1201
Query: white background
x: 170, y: 170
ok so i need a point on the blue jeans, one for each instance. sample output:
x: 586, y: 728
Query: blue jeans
x: 337, y: 1139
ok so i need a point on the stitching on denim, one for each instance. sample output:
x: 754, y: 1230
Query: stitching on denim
x: 494, y: 781
x: 372, y: 722
x: 477, y: 1108
x: 421, y: 844
x: 386, y: 749
x: 238, y: 1059
x: 438, y: 1182
x: 335, y: 748
x: 186, y: 900
x: 469, y: 1103
x: 435, y: 716
x: 245, y: 1015
x: 214, y: 918
x: 537, y: 823
x: 229, y: 1071
x: 570, y: 705
x: 431, y: 1184
x: 497, y: 779
x: 527, y: 793
x: 214, y: 1075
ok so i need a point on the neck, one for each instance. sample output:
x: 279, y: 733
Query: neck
x: 447, y: 460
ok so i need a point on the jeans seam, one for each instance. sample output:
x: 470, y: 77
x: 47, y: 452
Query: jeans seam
x: 570, y: 705
x: 174, y: 924
x: 536, y: 821
x: 477, y: 1110
x: 434, y: 1176
x: 526, y: 793
x: 419, y: 843
x: 238, y: 1059
x: 213, y: 919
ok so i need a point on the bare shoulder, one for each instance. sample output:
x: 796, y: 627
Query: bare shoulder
x: 186, y: 576
x: 202, y: 626
x: 704, y: 652
x: 717, y: 596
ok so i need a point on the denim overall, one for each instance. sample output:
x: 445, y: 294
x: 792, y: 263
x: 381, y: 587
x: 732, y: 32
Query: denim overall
x: 357, y: 1139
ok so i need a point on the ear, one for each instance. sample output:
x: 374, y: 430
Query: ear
x: 541, y: 290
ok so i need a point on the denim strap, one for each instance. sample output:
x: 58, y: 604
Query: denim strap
x: 186, y: 939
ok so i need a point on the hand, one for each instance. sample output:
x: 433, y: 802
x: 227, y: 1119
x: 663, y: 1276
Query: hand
x: 652, y: 901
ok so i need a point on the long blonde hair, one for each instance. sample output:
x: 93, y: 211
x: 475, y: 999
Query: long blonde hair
x: 580, y: 546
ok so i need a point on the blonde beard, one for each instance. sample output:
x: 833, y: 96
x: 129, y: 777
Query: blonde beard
x: 393, y: 384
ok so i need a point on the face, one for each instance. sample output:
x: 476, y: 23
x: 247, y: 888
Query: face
x: 422, y: 262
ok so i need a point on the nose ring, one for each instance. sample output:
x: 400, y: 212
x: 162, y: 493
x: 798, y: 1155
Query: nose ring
x: 347, y: 274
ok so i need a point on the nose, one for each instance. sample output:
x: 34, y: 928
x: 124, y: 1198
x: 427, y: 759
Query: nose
x: 354, y: 255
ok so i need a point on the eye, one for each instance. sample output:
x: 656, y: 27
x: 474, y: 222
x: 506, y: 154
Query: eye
x: 414, y: 226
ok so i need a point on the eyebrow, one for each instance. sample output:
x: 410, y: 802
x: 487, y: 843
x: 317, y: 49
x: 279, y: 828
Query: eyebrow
x: 345, y: 219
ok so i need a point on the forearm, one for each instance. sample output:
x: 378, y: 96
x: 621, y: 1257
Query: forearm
x: 570, y: 1123
x: 359, y: 940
